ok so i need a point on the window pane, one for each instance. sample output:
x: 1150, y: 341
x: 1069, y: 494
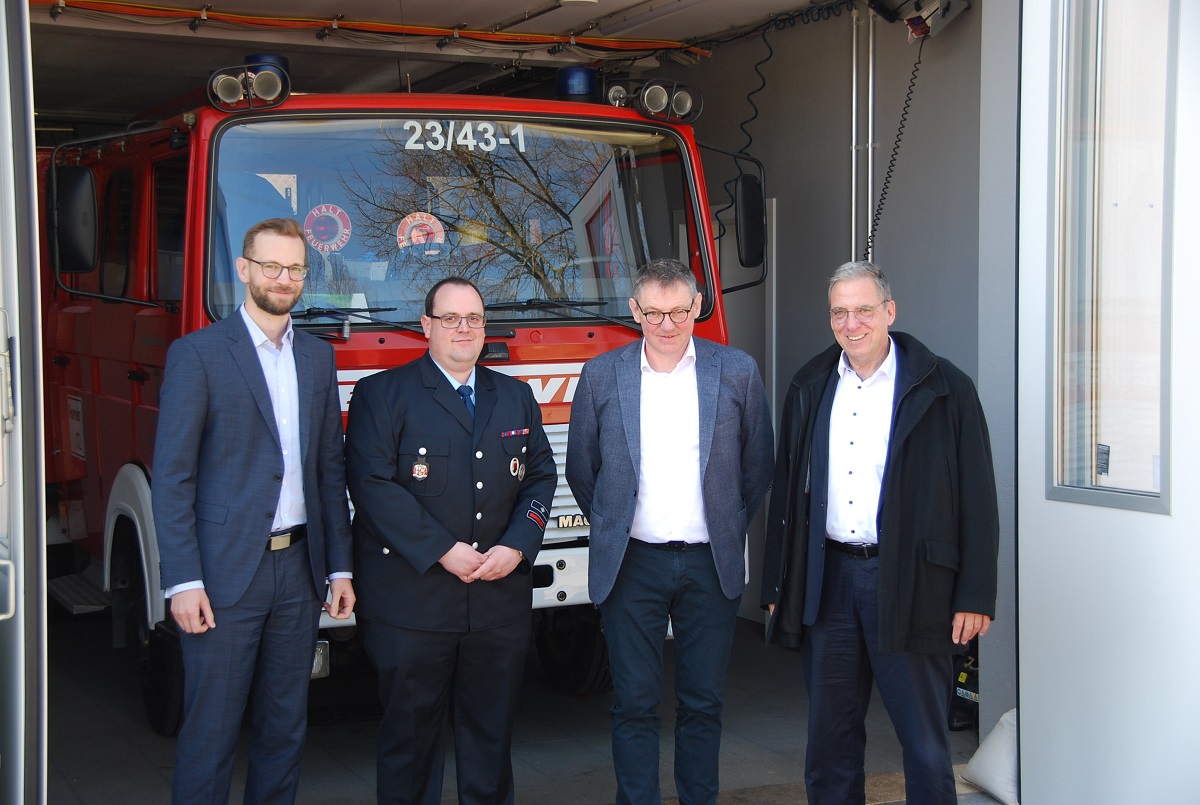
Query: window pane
x: 1111, y: 260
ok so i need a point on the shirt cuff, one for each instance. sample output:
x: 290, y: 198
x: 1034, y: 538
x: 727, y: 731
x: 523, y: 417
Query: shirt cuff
x: 178, y: 588
x: 343, y: 574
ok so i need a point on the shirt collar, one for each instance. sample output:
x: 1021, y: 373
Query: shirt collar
x: 453, y: 380
x: 689, y: 354
x: 257, y: 335
x: 886, y: 369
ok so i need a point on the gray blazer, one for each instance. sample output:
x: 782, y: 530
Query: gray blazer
x: 218, y: 465
x: 604, y: 452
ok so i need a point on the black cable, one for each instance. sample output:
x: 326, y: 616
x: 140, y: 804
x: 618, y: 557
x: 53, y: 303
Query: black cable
x: 887, y: 179
x: 802, y: 17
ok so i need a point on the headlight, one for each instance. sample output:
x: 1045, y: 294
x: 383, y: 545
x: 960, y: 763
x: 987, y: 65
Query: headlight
x: 666, y: 100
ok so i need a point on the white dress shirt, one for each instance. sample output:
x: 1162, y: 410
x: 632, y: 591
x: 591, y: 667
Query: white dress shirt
x: 860, y: 428
x: 670, y: 505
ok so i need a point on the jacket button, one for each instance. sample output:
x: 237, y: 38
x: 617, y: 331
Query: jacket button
x: 386, y: 551
x: 479, y: 484
x: 478, y: 454
x: 478, y: 515
x: 278, y: 477
x: 270, y: 515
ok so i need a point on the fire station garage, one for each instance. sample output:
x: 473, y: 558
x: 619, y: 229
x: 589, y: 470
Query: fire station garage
x: 1013, y: 170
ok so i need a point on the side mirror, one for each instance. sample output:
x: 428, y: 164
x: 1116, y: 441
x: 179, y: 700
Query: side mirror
x: 76, y: 232
x: 751, y: 220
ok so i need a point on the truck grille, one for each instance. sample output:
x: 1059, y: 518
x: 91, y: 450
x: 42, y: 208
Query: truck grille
x: 566, y: 519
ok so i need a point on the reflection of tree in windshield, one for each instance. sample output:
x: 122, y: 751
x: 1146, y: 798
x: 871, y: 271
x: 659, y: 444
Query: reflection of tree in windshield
x: 506, y: 214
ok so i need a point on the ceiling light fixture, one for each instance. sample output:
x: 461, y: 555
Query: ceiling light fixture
x: 617, y: 23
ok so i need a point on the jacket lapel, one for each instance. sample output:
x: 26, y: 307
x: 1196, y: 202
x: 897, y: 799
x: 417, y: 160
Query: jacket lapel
x: 708, y: 388
x: 629, y: 394
x: 445, y: 395
x: 305, y: 383
x: 485, y: 400
x: 245, y: 356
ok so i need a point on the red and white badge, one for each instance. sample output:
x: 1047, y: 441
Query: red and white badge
x: 327, y: 228
x: 423, y: 230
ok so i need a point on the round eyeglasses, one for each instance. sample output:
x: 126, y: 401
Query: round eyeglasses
x: 655, y: 317
x: 864, y: 314
x: 272, y: 271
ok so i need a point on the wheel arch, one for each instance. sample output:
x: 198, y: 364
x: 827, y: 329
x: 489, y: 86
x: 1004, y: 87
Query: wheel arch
x: 130, y: 501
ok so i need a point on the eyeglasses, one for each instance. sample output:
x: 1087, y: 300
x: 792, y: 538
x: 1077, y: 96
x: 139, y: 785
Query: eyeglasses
x: 451, y: 320
x: 272, y: 271
x: 864, y: 314
x: 679, y: 315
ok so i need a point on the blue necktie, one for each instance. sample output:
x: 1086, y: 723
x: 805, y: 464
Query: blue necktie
x: 465, y: 393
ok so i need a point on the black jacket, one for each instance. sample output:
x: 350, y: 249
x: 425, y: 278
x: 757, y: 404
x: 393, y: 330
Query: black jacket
x: 938, y: 522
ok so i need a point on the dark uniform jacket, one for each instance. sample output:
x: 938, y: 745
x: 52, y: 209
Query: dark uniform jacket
x: 938, y: 523
x: 422, y: 476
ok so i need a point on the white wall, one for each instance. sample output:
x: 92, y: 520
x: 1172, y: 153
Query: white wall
x: 1109, y: 708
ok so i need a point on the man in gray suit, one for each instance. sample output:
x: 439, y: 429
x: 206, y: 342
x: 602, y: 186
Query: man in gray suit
x: 669, y: 454
x: 251, y: 518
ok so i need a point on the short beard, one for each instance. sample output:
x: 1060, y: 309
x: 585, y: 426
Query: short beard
x: 267, y: 304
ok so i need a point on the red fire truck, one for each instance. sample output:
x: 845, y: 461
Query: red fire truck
x: 548, y: 206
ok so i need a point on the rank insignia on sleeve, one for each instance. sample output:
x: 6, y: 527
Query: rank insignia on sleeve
x: 538, y: 513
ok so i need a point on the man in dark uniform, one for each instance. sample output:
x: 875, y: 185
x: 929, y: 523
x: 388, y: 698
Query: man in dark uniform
x: 452, y: 478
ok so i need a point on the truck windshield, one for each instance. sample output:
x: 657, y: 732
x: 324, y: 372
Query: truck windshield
x: 525, y: 209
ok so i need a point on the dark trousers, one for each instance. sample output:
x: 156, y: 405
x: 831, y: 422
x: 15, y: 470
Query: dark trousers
x: 841, y: 655
x: 261, y: 652
x: 475, y: 678
x: 655, y: 584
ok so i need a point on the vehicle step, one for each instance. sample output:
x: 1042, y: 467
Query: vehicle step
x: 82, y: 592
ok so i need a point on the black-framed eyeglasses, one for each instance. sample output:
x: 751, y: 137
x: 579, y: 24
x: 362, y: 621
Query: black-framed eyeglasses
x: 272, y: 271
x: 679, y: 315
x: 451, y: 320
x: 864, y: 314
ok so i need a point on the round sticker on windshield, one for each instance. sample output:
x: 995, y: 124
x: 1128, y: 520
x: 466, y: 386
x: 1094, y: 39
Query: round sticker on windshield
x: 422, y: 230
x: 327, y: 228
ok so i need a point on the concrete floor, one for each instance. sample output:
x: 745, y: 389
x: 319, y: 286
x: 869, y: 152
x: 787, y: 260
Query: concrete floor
x: 102, y: 751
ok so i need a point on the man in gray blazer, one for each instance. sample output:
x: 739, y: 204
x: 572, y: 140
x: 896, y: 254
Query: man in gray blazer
x: 251, y: 518
x: 669, y: 455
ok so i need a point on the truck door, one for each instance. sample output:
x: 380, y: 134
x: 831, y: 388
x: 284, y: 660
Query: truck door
x: 22, y: 510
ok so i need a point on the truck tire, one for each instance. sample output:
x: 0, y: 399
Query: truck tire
x: 155, y: 653
x: 572, y: 650
x: 161, y: 673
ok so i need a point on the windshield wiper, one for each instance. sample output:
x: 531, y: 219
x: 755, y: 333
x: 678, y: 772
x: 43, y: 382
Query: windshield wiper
x: 564, y: 304
x: 344, y: 314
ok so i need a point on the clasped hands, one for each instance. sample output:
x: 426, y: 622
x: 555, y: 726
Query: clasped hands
x: 470, y: 565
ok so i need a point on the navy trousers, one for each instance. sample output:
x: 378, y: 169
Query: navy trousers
x: 655, y: 584
x: 841, y: 656
x: 261, y: 652
x: 472, y: 677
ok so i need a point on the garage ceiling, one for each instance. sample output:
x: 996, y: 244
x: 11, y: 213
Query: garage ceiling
x: 103, y: 62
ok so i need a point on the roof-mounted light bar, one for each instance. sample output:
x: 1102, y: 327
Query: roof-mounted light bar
x: 262, y: 81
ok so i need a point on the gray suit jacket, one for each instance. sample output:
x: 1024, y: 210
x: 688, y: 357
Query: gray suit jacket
x: 218, y: 465
x: 604, y: 453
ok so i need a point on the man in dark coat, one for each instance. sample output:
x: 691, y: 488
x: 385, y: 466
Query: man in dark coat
x: 881, y: 539
x: 452, y: 478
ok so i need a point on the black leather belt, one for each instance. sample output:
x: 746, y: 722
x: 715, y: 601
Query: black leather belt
x: 857, y: 551
x: 675, y: 545
x: 278, y: 540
